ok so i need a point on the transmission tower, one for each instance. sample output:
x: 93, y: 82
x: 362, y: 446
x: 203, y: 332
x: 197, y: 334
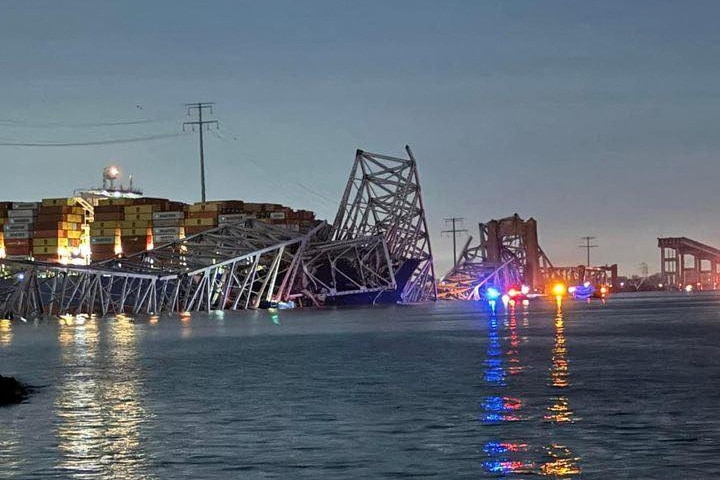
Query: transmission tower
x: 455, y: 231
x: 587, y: 247
x: 200, y: 107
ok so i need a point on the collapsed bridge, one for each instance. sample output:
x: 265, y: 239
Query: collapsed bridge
x: 377, y: 249
x: 509, y: 254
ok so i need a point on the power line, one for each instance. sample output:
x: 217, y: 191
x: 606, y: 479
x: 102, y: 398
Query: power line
x: 587, y: 246
x: 454, y: 232
x: 91, y: 143
x: 263, y: 170
x: 200, y: 106
x: 22, y: 123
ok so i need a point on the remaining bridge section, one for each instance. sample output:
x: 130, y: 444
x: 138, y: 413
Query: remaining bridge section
x: 684, y: 261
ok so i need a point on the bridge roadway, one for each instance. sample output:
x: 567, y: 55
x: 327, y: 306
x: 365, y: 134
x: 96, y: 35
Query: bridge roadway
x: 684, y: 261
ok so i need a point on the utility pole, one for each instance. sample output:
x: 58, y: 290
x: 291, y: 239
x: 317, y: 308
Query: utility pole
x: 200, y: 106
x: 587, y: 246
x: 454, y: 232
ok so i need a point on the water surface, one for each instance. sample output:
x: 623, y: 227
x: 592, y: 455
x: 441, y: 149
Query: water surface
x: 625, y: 389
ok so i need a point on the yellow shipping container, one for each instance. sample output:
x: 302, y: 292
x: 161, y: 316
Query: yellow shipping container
x: 130, y: 209
x: 59, y: 202
x: 102, y: 232
x: 105, y: 224
x: 205, y: 207
x: 74, y: 234
x: 74, y: 218
x: 116, y: 201
x: 133, y: 232
x: 138, y: 216
x: 136, y: 224
x: 50, y: 242
x: 200, y: 222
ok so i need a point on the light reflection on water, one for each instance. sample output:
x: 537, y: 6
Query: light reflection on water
x: 442, y: 391
x: 98, y: 407
x: 515, y: 457
x: 6, y: 334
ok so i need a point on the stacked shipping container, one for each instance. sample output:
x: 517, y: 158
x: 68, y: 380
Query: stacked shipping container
x: 53, y: 230
x: 57, y: 230
x: 133, y: 225
x: 18, y: 220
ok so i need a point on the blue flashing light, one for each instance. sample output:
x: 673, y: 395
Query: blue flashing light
x: 493, y: 404
x: 492, y: 293
x: 495, y: 466
x: 492, y: 418
x: 494, y: 447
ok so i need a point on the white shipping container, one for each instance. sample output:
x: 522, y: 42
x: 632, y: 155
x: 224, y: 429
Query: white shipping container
x: 234, y: 217
x: 102, y: 240
x: 168, y: 215
x: 18, y: 257
x: 172, y: 222
x: 24, y: 205
x: 161, y: 239
x: 17, y: 235
x: 21, y: 220
x: 21, y: 213
x: 277, y: 215
x: 166, y: 230
x: 16, y: 228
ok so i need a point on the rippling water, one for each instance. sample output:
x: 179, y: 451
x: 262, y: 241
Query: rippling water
x: 626, y: 389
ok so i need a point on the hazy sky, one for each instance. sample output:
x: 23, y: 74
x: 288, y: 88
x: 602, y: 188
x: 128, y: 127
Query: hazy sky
x: 595, y: 118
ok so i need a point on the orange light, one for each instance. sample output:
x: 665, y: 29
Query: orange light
x: 513, y: 292
x: 603, y: 290
x: 559, y: 289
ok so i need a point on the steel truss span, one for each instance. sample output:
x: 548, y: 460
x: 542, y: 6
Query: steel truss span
x: 377, y: 248
x: 509, y: 254
x: 383, y: 197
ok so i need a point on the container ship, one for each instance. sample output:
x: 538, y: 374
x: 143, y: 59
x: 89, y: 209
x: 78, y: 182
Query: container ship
x: 97, y: 224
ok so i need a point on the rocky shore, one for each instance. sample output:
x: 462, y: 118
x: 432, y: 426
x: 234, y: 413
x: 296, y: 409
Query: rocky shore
x: 11, y: 391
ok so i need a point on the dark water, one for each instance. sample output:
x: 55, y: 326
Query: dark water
x: 627, y: 389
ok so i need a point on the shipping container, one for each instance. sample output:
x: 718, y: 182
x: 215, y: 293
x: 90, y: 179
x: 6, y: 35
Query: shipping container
x: 136, y: 224
x: 175, y: 215
x: 133, y: 232
x: 21, y: 213
x: 163, y: 239
x: 22, y: 227
x: 50, y: 233
x: 173, y: 222
x: 166, y: 230
x: 21, y: 220
x: 102, y: 232
x: 134, y: 209
x: 56, y: 202
x: 105, y: 224
x: 43, y: 242
x: 205, y: 222
x: 106, y: 240
x: 109, y: 216
x: 18, y: 235
x: 25, y: 205
x: 234, y: 217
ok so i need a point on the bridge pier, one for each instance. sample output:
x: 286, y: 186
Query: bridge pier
x: 674, y: 251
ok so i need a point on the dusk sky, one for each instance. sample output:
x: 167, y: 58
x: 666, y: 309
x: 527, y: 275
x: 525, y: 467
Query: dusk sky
x: 595, y: 118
